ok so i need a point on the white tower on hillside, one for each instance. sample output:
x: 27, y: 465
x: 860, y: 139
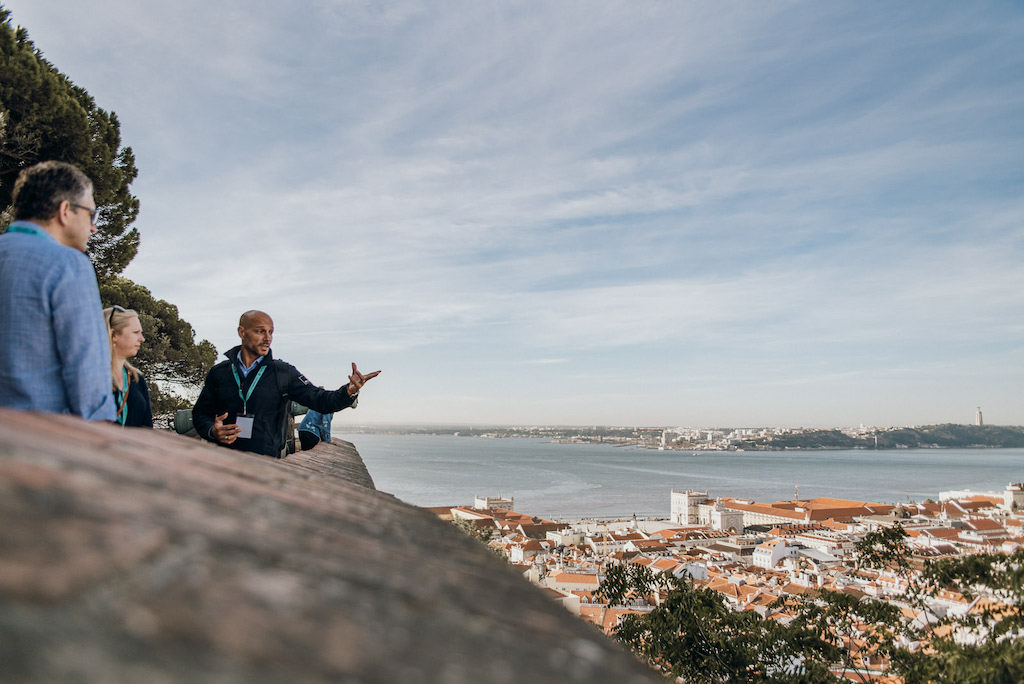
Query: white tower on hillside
x: 977, y: 420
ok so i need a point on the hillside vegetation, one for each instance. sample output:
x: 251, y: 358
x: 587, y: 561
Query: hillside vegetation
x: 948, y: 436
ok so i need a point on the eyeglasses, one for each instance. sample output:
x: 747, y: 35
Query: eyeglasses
x: 110, y: 321
x: 94, y: 214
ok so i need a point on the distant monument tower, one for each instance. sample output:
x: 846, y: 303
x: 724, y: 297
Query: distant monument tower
x: 977, y: 420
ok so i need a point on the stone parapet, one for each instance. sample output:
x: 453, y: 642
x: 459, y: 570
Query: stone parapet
x: 132, y: 555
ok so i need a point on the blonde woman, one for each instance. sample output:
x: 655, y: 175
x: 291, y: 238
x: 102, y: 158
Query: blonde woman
x: 131, y: 393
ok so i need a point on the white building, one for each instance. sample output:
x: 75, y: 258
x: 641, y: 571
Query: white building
x: 958, y: 494
x: 1013, y: 496
x: 607, y: 543
x: 684, y: 506
x: 836, y: 545
x: 717, y: 516
x: 484, y: 503
x: 770, y: 553
x: 526, y: 551
x: 723, y: 519
x: 566, y: 537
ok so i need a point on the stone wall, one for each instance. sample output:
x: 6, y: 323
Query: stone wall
x: 142, y: 556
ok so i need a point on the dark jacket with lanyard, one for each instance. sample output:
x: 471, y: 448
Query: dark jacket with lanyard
x: 133, y: 408
x: 266, y: 395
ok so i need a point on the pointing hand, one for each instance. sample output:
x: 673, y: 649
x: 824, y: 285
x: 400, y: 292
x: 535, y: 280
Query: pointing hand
x: 357, y: 380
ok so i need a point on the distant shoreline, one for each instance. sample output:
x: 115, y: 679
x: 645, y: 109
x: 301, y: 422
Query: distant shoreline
x: 782, y: 449
x: 946, y: 436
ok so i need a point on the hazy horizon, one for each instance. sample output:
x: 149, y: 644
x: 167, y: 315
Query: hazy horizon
x: 346, y: 421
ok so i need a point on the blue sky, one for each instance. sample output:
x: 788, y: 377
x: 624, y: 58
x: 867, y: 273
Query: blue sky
x: 688, y: 213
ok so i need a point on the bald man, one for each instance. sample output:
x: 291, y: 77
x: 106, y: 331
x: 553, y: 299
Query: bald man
x: 245, y: 400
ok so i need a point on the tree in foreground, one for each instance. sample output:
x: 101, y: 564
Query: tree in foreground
x: 695, y: 635
x: 983, y: 644
x: 482, y: 533
x: 836, y: 636
x: 174, y: 365
x: 44, y: 116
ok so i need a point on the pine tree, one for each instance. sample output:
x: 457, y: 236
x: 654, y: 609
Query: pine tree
x: 44, y: 116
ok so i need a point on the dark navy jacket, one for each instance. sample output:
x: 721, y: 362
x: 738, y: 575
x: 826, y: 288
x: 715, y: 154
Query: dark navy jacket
x: 140, y: 413
x: 280, y: 384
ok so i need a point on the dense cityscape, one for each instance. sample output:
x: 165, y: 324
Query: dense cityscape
x: 754, y: 554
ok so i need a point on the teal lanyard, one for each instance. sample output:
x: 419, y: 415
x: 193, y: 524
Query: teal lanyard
x: 24, y: 229
x: 245, y: 399
x: 122, y: 398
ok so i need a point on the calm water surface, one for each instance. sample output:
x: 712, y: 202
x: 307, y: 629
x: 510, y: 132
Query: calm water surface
x: 581, y: 480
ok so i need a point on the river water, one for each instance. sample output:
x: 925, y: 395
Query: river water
x: 573, y: 481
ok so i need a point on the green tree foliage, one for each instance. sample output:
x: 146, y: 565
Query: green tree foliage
x: 929, y: 436
x: 480, y: 533
x: 814, y: 439
x: 854, y: 629
x: 44, y: 116
x: 170, y: 358
x: 695, y: 635
x: 885, y: 548
x: 983, y: 645
x: 952, y: 436
x: 977, y: 646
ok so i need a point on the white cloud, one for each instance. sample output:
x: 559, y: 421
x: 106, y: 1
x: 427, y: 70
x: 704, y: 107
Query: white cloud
x: 745, y: 195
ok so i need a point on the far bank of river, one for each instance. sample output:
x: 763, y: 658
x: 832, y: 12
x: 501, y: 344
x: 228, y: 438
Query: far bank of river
x: 572, y: 481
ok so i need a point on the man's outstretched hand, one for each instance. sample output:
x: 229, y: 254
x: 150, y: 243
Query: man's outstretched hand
x: 357, y: 380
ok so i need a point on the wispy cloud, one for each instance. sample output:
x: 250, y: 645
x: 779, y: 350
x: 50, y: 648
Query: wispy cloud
x: 621, y: 196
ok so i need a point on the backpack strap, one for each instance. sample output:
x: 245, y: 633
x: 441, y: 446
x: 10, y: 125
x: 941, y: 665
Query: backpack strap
x: 287, y: 421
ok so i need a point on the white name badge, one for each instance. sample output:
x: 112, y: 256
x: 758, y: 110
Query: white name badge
x: 244, y: 424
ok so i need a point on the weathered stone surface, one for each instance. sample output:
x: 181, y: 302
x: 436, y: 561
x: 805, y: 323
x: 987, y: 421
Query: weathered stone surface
x: 142, y: 556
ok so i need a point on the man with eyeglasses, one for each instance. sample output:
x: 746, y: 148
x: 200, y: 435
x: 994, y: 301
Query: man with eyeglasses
x: 54, y: 350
